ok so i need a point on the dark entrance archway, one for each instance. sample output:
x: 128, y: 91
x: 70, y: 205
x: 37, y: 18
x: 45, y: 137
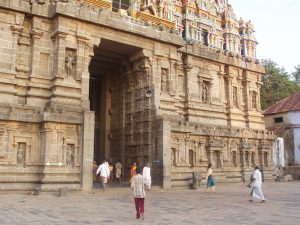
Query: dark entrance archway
x: 107, y: 91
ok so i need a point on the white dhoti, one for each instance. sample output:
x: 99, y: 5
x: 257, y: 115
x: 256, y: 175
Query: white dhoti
x: 148, y: 182
x: 147, y: 176
x: 256, y: 193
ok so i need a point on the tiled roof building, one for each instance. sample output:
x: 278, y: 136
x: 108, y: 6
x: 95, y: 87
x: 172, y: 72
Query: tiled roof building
x: 283, y: 118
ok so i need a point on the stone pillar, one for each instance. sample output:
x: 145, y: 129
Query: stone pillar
x: 172, y: 86
x: 208, y: 39
x: 181, y: 151
x: 245, y: 48
x: 59, y: 54
x: 221, y: 83
x: 187, y: 31
x: 165, y: 147
x: 85, y: 54
x: 230, y: 96
x: 36, y: 35
x: 16, y: 30
x: 259, y: 84
x: 200, y: 37
x: 156, y: 68
x: 87, y: 150
x: 227, y: 43
x: 246, y: 84
x: 243, y: 165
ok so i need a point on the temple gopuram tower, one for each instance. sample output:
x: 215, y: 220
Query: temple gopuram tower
x: 172, y: 82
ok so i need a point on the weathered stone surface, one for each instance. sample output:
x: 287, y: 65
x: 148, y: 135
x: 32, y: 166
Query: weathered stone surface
x: 79, y: 83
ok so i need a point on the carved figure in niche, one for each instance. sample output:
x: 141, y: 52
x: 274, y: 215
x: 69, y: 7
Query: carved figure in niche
x: 254, y: 104
x: 204, y: 92
x: 164, y: 80
x: 149, y: 6
x: 70, y: 62
x: 235, y: 97
x: 21, y: 153
x: 70, y: 155
x: 173, y: 157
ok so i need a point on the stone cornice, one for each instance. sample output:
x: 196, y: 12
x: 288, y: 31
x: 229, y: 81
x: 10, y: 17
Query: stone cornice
x: 206, y: 53
x: 116, y: 21
x: 221, y: 131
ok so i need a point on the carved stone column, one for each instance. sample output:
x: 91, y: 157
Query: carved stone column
x: 181, y: 153
x: 85, y: 54
x: 230, y: 91
x: 36, y: 36
x: 243, y: 164
x: 16, y: 31
x: 59, y: 54
x: 259, y: 84
x: 87, y: 151
x: 172, y: 85
x: 221, y: 75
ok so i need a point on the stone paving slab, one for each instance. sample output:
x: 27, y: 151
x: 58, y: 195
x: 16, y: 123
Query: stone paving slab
x: 229, y: 206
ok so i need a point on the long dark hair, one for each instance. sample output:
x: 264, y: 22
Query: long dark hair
x: 209, y: 165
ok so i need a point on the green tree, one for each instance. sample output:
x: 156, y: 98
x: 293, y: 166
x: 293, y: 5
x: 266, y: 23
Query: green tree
x: 296, y: 74
x: 276, y: 84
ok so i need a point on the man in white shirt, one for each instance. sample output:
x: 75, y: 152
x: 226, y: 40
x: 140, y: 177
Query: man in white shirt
x: 138, y: 186
x: 103, y: 170
x: 255, y: 183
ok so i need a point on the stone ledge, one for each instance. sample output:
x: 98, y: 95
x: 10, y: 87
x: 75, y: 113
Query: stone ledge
x: 18, y: 5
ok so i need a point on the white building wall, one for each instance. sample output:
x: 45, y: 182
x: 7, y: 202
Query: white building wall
x: 297, y: 144
x: 270, y: 119
x: 278, y: 152
x: 294, y: 118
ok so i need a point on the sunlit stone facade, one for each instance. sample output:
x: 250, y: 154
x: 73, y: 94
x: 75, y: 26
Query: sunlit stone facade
x: 173, y: 83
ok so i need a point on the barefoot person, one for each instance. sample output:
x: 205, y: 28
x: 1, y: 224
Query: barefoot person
x: 138, y: 187
x: 147, y: 175
x: 132, y: 171
x: 255, y: 183
x: 103, y: 171
x: 210, y: 180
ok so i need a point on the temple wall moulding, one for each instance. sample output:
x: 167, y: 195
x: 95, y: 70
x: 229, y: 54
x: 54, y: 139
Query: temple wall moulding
x: 212, y: 24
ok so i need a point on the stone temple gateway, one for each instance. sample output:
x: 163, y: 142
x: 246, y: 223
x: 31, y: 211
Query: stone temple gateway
x: 172, y: 82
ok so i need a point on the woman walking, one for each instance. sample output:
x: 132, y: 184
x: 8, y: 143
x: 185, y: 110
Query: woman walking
x: 210, y: 180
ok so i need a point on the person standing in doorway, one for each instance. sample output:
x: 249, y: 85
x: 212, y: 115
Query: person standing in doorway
x: 119, y: 171
x: 209, y: 178
x: 111, y: 172
x: 103, y: 170
x: 138, y: 187
x: 255, y: 183
x: 147, y: 175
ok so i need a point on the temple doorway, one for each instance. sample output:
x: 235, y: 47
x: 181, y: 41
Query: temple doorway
x: 107, y: 90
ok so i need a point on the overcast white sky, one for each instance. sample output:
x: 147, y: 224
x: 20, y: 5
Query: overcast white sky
x: 277, y: 26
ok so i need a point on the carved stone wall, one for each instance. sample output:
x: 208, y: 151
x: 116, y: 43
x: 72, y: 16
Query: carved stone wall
x: 174, y: 104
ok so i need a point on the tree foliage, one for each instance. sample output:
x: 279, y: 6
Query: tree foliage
x: 276, y: 84
x: 296, y: 74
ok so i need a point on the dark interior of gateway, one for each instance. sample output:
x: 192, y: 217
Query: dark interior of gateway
x: 106, y: 93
